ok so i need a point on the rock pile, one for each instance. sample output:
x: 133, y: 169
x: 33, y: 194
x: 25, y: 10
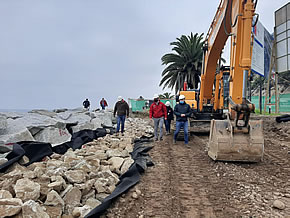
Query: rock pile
x: 47, y: 126
x: 71, y: 184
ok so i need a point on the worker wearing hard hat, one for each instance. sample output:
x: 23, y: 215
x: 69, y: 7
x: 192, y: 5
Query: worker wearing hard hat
x: 182, y: 111
x: 158, y: 112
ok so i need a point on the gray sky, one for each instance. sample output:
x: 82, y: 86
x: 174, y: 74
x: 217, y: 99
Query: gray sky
x: 54, y: 54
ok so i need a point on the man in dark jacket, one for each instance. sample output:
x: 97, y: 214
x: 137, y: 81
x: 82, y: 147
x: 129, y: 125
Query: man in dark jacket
x: 86, y: 104
x: 169, y: 117
x: 158, y: 112
x: 122, y: 109
x: 182, y: 112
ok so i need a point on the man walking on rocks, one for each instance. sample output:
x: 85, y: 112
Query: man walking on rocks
x: 122, y: 109
x: 103, y: 104
x: 158, y: 112
x: 86, y: 104
x: 182, y: 112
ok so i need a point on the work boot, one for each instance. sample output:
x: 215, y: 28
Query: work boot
x: 161, y: 139
x: 174, y: 141
x: 187, y: 145
x: 156, y: 139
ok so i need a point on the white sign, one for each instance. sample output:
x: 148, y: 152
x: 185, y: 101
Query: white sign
x: 258, y: 49
x: 282, y: 34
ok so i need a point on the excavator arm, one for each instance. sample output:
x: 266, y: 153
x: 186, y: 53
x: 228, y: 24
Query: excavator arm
x: 237, y: 138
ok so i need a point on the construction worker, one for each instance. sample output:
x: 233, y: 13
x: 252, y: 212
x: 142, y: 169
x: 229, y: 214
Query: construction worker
x: 103, y: 104
x: 86, y: 104
x: 182, y: 111
x: 158, y: 112
x: 169, y: 117
x: 122, y: 109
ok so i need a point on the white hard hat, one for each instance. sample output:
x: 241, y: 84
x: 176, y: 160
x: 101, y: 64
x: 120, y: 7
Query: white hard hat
x: 156, y: 96
x: 120, y: 98
x: 181, y: 97
x: 167, y: 103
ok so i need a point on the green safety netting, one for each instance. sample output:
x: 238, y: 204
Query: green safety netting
x: 143, y: 104
x: 284, y: 105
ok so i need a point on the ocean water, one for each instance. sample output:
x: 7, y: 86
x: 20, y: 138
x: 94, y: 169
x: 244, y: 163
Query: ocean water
x: 15, y: 110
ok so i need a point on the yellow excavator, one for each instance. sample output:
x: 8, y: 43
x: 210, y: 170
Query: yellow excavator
x: 233, y: 136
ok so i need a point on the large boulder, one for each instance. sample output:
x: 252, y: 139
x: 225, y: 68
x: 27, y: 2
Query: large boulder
x: 39, y: 121
x: 15, y: 132
x: 44, y: 112
x: 53, y: 135
x: 3, y: 124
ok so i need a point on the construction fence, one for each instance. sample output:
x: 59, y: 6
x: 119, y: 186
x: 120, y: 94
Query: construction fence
x: 144, y: 104
x: 284, y: 105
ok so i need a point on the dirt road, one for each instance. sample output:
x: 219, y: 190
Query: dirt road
x: 185, y: 182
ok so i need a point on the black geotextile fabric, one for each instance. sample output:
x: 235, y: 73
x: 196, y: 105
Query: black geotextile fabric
x: 130, y: 178
x: 283, y: 118
x: 36, y: 151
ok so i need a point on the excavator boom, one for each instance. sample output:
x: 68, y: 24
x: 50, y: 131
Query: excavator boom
x: 236, y: 138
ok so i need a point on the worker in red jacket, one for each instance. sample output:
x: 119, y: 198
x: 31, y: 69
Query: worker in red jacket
x: 103, y: 104
x: 158, y: 112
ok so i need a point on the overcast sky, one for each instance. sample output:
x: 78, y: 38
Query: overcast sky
x: 54, y: 54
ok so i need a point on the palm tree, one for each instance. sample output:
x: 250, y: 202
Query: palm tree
x: 184, y: 65
x: 166, y: 95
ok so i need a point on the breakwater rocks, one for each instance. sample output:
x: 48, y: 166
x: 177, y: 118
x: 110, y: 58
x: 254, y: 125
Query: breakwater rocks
x: 70, y: 185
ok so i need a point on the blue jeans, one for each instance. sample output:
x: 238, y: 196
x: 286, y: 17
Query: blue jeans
x: 167, y: 125
x: 121, y: 120
x: 185, y: 128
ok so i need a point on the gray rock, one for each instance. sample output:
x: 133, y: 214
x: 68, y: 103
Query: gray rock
x: 72, y: 199
x: 75, y: 176
x: 100, y: 185
x: 3, y: 124
x: 82, y: 126
x: 67, y: 189
x: 101, y: 196
x: 32, y: 209
x: 116, y: 163
x: 10, y: 206
x: 92, y: 202
x: 15, y: 132
x: 43, y: 112
x: 53, y: 199
x: 97, y: 123
x: 114, y: 153
x: 60, y: 110
x: 3, y: 159
x: 81, y: 211
x: 53, y: 135
x: 64, y: 115
x: 126, y: 165
x: 279, y: 204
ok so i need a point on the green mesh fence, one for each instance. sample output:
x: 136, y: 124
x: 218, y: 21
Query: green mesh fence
x: 144, y: 104
x: 284, y: 105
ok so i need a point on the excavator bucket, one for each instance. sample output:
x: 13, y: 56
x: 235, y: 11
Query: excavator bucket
x: 227, y: 145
